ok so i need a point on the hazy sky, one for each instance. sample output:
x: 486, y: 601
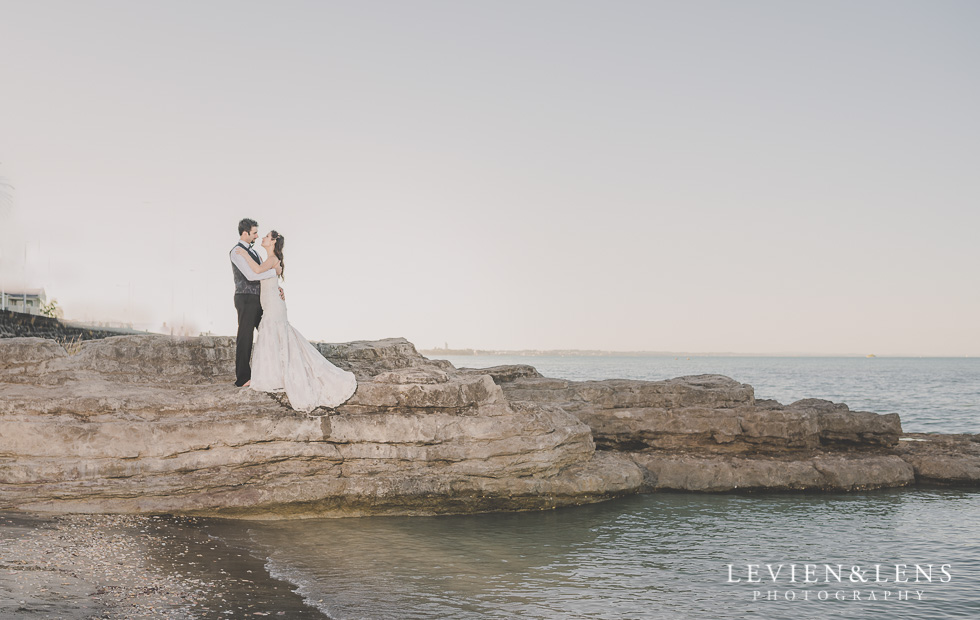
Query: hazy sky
x: 700, y: 176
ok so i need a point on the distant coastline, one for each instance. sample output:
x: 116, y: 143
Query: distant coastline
x: 603, y: 353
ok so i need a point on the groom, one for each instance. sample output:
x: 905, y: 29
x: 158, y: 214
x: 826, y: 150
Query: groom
x: 247, y: 298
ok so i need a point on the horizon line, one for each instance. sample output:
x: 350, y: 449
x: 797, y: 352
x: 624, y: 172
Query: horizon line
x: 609, y: 353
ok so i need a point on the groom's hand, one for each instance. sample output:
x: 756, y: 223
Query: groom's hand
x: 282, y: 294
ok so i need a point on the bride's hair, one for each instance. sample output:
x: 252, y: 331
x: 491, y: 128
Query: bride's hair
x: 277, y: 250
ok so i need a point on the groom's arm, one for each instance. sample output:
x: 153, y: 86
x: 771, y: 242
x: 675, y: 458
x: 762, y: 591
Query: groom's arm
x: 239, y: 261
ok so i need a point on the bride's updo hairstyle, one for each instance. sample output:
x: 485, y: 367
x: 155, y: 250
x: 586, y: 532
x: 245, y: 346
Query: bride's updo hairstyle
x: 277, y: 250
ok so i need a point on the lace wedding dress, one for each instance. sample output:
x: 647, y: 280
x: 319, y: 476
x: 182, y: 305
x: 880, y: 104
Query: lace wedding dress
x: 284, y: 361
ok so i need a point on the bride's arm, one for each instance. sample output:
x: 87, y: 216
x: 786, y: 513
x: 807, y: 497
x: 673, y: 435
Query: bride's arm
x: 270, y: 263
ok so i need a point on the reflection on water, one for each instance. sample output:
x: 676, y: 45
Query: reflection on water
x: 930, y: 394
x: 653, y: 556
x: 666, y: 555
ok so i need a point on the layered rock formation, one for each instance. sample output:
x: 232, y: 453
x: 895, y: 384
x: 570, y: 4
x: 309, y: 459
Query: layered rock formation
x: 153, y: 424
x: 943, y: 459
x: 709, y: 433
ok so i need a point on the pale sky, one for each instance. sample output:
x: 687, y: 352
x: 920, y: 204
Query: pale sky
x: 750, y: 176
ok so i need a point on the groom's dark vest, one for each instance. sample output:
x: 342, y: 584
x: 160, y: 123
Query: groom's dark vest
x: 242, y: 284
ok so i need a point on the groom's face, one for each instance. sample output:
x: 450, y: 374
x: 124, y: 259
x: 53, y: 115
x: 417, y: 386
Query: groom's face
x: 253, y: 234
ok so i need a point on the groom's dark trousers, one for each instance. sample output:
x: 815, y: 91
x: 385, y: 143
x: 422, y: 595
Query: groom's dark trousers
x: 249, y: 314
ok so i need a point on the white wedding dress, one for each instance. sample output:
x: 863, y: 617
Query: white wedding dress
x: 284, y: 361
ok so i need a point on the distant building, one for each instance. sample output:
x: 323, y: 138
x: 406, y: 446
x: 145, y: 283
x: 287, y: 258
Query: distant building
x: 28, y: 300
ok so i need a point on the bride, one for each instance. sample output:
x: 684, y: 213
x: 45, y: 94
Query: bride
x: 282, y: 359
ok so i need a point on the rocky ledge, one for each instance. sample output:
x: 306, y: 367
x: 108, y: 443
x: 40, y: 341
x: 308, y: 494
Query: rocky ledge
x: 153, y: 424
x: 709, y: 433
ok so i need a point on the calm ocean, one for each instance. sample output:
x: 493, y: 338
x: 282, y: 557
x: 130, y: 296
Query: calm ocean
x: 674, y: 555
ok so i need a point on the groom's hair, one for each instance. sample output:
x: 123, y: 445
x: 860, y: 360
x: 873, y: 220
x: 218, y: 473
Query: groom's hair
x: 246, y: 225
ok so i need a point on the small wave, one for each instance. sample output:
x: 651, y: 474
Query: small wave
x: 305, y: 586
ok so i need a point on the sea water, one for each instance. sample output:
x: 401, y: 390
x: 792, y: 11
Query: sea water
x: 897, y: 553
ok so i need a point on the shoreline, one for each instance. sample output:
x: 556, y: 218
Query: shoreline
x: 114, y: 567
x: 130, y: 566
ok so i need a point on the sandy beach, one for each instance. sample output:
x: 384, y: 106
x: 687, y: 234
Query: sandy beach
x: 113, y: 566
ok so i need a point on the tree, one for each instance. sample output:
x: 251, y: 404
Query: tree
x: 52, y: 309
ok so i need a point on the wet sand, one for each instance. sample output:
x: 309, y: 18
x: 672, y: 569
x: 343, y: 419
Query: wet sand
x: 122, y: 566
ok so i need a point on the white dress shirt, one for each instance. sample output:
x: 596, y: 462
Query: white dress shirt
x: 239, y: 261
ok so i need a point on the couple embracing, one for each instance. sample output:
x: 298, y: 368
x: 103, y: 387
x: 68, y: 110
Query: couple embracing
x: 283, y: 361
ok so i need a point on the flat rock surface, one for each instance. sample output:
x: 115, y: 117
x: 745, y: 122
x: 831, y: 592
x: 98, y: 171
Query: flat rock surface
x: 817, y: 471
x: 942, y: 459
